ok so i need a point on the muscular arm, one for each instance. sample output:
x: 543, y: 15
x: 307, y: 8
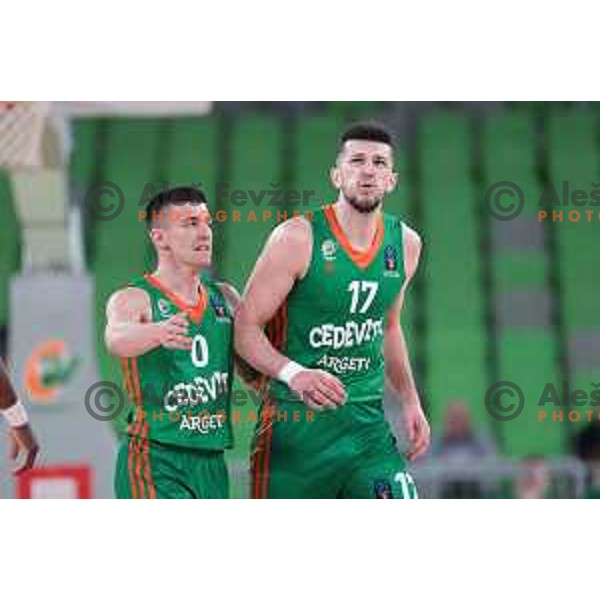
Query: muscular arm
x: 284, y: 259
x: 397, y: 362
x: 130, y: 330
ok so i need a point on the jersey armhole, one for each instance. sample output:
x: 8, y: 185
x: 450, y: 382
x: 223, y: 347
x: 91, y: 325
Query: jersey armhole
x: 219, y: 286
x: 403, y: 229
x: 310, y: 258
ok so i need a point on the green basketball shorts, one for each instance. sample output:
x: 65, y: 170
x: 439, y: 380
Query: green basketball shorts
x: 349, y: 452
x: 147, y: 469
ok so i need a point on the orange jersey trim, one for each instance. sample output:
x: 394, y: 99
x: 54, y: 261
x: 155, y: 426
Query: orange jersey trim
x: 195, y: 312
x: 361, y: 258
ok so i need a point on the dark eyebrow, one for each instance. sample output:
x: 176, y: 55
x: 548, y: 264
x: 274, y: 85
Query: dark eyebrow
x: 375, y: 157
x: 194, y: 220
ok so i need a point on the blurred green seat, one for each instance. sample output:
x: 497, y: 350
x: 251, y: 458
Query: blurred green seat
x: 528, y: 358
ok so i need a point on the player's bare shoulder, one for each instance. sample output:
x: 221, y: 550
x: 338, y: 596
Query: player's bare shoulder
x: 294, y: 234
x: 291, y: 242
x: 129, y: 304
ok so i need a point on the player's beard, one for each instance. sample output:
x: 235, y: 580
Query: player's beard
x: 366, y: 208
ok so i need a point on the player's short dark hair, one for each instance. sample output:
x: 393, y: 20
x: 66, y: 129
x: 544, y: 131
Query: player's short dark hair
x: 178, y: 196
x: 368, y: 131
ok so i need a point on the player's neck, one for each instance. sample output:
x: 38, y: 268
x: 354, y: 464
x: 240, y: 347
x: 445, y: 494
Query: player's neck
x: 181, y: 280
x: 359, y: 228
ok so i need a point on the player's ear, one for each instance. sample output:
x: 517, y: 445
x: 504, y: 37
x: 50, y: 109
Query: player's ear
x: 157, y: 235
x: 392, y: 182
x: 336, y: 177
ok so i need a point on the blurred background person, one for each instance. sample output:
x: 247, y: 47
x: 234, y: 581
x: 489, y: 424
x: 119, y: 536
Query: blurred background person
x: 460, y: 443
x: 533, y: 481
x: 459, y: 438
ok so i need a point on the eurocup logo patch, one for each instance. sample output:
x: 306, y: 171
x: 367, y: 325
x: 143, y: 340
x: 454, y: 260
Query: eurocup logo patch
x: 218, y: 306
x: 329, y: 248
x: 390, y: 258
x: 164, y: 308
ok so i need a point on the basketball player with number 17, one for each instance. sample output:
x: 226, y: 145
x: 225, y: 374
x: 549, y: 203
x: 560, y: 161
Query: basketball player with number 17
x: 320, y: 318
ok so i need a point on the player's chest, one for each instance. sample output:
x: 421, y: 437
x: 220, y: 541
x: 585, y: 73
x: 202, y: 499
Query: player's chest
x: 210, y: 332
x: 336, y: 285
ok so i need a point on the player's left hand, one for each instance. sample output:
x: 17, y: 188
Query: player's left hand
x: 417, y: 427
x: 23, y: 441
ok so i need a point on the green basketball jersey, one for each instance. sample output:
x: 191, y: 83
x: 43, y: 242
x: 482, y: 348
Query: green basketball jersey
x: 183, y: 396
x: 334, y: 318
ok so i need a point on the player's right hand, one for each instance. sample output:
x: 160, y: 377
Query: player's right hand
x: 173, y: 333
x: 23, y: 443
x: 318, y: 389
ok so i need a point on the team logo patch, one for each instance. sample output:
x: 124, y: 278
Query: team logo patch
x: 329, y: 248
x: 390, y: 261
x: 218, y: 306
x: 383, y: 490
x: 164, y: 307
x: 390, y: 258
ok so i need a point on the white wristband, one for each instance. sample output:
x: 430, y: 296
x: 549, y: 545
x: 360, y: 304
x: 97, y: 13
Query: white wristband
x: 289, y: 371
x: 15, y: 415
